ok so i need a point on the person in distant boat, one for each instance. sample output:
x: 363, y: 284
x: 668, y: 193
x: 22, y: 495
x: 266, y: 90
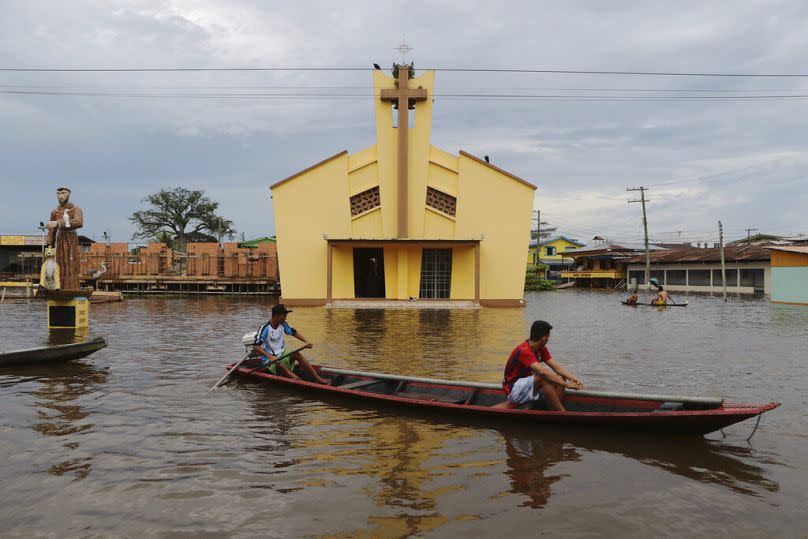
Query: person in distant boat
x: 632, y: 299
x: 269, y: 346
x: 662, y: 297
x: 526, y: 380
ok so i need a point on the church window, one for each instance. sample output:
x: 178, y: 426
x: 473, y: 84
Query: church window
x: 440, y: 201
x: 365, y: 201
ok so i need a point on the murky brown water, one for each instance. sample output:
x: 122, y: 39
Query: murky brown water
x: 129, y: 442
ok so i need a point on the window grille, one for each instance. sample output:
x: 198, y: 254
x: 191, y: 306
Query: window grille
x: 436, y: 273
x: 441, y: 201
x: 365, y: 201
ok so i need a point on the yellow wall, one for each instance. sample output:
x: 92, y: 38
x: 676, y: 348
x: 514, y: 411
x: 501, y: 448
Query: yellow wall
x: 316, y: 202
x: 495, y: 206
x: 306, y: 207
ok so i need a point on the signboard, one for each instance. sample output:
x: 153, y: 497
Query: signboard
x: 21, y: 241
x: 593, y: 274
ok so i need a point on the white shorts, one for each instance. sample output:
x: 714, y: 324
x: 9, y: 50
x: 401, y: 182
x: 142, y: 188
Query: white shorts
x: 522, y: 391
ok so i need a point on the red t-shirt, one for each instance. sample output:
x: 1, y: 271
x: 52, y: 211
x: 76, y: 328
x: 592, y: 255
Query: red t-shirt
x: 518, y: 365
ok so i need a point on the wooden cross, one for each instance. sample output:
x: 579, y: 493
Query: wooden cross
x: 403, y: 96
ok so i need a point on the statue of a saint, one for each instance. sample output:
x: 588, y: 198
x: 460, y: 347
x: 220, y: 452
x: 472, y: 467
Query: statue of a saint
x: 64, y: 220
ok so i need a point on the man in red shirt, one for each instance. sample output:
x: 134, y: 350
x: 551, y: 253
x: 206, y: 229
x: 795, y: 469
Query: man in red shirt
x: 526, y: 381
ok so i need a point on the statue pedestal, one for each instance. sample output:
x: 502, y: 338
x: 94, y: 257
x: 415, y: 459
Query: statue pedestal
x: 68, y: 313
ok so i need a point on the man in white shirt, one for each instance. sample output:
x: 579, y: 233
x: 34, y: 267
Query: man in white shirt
x: 269, y: 346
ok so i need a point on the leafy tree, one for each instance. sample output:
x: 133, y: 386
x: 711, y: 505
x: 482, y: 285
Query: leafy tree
x: 182, y: 213
x: 534, y: 278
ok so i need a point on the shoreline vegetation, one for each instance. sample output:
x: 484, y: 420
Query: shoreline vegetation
x: 534, y: 278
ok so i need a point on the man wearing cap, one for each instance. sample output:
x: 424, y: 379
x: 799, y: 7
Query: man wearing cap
x: 64, y: 220
x: 269, y: 346
x: 526, y: 380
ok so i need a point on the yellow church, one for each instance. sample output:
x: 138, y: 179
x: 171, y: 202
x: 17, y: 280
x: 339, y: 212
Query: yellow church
x: 402, y: 219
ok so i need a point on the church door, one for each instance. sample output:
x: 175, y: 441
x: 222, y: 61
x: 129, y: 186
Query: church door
x: 368, y: 273
x: 436, y: 273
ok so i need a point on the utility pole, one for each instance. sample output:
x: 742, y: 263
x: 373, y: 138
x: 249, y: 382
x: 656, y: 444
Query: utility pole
x: 642, y: 191
x: 723, y: 262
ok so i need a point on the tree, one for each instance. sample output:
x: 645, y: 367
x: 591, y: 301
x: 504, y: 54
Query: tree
x: 173, y: 211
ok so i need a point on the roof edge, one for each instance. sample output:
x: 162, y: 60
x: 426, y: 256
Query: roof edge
x: 501, y: 171
x: 305, y: 170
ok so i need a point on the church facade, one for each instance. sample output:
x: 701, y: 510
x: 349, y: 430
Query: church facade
x: 403, y: 219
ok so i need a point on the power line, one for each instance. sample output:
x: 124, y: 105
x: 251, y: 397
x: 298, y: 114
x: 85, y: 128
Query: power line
x: 448, y: 97
x: 444, y: 69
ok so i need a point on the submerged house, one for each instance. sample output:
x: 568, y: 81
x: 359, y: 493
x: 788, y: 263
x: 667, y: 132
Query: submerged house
x: 694, y: 269
x: 403, y: 219
x: 602, y: 264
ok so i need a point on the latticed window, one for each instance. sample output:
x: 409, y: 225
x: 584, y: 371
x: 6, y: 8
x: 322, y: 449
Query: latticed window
x: 365, y: 201
x: 441, y: 201
x: 436, y: 273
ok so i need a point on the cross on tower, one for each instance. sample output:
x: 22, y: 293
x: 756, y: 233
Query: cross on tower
x: 404, y: 97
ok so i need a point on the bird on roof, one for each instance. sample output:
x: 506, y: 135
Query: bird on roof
x: 486, y: 159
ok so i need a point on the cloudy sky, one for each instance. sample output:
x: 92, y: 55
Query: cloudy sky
x: 710, y: 148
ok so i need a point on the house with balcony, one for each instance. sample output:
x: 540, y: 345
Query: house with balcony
x: 603, y: 264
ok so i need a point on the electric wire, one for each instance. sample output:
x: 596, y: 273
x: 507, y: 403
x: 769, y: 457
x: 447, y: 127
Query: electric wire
x: 517, y: 70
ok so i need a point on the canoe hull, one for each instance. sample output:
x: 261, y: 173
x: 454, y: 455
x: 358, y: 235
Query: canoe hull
x: 692, y: 422
x: 49, y: 354
x: 650, y: 305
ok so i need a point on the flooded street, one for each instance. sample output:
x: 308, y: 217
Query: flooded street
x: 129, y: 441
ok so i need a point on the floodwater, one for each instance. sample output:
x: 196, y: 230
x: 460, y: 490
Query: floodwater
x: 130, y: 442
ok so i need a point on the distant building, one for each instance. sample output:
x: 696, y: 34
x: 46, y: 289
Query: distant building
x: 552, y: 251
x: 602, y: 264
x: 21, y: 254
x: 252, y: 244
x: 757, y: 239
x: 789, y: 274
x: 695, y: 269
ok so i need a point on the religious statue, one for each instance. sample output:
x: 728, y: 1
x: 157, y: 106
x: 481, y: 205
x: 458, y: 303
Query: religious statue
x: 49, y: 277
x: 64, y: 220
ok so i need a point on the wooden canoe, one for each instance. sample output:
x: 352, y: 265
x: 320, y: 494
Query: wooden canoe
x: 639, y: 304
x: 585, y: 409
x: 47, y: 354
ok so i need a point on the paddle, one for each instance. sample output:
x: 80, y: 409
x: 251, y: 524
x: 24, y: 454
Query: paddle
x: 259, y: 367
x: 236, y: 366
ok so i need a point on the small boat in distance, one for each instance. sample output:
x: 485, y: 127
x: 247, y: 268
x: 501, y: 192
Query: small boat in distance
x: 561, y: 286
x: 585, y: 409
x: 683, y: 304
x: 47, y: 354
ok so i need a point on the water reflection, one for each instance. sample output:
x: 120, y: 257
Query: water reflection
x: 530, y: 461
x: 59, y: 389
x: 57, y: 337
x: 531, y: 458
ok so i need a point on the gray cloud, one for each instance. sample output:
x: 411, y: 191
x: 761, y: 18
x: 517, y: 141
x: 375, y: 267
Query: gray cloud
x: 582, y: 154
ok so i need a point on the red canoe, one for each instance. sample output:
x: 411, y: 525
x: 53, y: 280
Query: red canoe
x: 619, y: 411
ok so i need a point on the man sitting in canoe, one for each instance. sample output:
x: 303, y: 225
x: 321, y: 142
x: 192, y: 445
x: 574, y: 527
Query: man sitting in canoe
x: 526, y: 380
x: 632, y: 299
x: 269, y: 346
x: 662, y: 297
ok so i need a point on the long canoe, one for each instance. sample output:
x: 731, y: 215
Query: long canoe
x: 47, y: 354
x: 638, y: 304
x: 585, y: 409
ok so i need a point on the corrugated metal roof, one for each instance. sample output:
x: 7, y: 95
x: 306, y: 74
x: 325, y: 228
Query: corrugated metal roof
x: 617, y: 248
x: 696, y: 254
x: 791, y: 248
